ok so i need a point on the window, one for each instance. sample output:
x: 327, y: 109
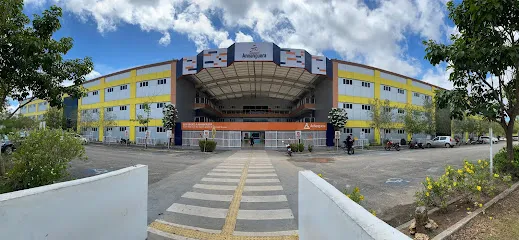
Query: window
x: 387, y: 88
x: 123, y: 87
x: 110, y: 89
x: 401, y: 91
x: 94, y: 129
x: 143, y: 129
x: 94, y: 110
x: 95, y: 93
x: 347, y: 130
x: 108, y: 129
x: 443, y: 138
x: 143, y: 84
x: 85, y: 129
x: 426, y: 97
x: 110, y: 109
x: 161, y: 129
x: 276, y: 107
x: 401, y: 111
x: 233, y: 106
x: 347, y: 105
x: 386, y: 109
x: 366, y: 130
x: 160, y: 105
x: 366, y: 107
x: 366, y: 84
x: 401, y: 131
x: 387, y: 131
x: 347, y: 81
x: 416, y: 94
x: 122, y: 129
x: 161, y: 81
x: 122, y: 108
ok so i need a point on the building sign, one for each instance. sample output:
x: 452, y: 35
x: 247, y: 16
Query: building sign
x: 254, y: 126
x: 298, y: 135
x: 253, y: 52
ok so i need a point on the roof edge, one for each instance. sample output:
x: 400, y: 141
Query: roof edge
x: 133, y: 68
x: 385, y: 71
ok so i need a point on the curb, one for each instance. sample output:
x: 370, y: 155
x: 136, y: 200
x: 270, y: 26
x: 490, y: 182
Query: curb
x: 407, y: 224
x: 452, y: 229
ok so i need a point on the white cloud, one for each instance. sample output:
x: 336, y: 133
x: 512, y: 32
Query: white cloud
x: 92, y: 75
x: 165, y: 39
x: 12, y: 105
x: 242, y: 37
x: 438, y: 76
x: 375, y: 36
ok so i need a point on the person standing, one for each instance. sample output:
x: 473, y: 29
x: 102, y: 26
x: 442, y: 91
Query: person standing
x: 349, y: 143
x: 251, y: 141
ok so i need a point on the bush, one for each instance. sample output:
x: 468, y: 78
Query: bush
x: 301, y: 147
x: 354, y: 195
x: 502, y: 165
x: 294, y: 147
x: 43, y: 158
x: 310, y: 147
x: 208, y: 145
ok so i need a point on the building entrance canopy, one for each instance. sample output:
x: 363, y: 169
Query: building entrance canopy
x: 254, y: 70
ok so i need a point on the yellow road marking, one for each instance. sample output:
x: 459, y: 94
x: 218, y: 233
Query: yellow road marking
x: 230, y: 220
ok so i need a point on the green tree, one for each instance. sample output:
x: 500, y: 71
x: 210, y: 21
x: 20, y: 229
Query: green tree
x: 54, y: 118
x: 484, y: 59
x: 412, y: 120
x: 338, y: 118
x: 144, y: 119
x: 428, y: 122
x: 170, y: 116
x: 43, y: 158
x: 32, y: 63
x: 443, y: 122
x: 381, y: 114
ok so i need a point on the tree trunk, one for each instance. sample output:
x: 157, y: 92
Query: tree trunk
x: 509, y: 140
x: 2, y: 165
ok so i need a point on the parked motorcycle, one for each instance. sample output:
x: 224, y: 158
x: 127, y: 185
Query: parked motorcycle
x: 413, y: 145
x: 391, y: 144
x: 124, y: 141
x: 289, y: 149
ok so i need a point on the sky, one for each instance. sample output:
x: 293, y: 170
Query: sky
x: 388, y: 34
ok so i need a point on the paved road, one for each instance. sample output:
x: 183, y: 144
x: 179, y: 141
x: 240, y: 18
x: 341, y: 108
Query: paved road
x: 254, y: 192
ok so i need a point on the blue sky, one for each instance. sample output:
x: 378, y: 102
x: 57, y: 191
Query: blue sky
x: 383, y: 33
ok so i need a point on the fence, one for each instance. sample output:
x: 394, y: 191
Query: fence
x: 274, y: 139
x: 109, y: 140
x: 90, y: 138
x: 142, y: 141
x: 228, y: 139
x: 360, y: 143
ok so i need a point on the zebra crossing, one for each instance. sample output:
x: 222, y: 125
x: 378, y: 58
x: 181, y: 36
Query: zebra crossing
x: 241, y: 198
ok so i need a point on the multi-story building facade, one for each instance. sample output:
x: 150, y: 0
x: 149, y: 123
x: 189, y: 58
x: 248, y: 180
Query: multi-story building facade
x: 249, y: 90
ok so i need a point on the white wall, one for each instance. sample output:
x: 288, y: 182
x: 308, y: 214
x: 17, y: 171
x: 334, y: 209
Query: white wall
x: 107, y: 206
x: 326, y: 213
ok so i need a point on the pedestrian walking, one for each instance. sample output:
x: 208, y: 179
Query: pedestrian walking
x: 251, y: 141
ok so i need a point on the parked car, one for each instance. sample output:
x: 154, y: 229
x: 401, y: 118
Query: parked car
x: 81, y: 138
x: 441, y: 141
x: 515, y: 138
x: 7, y: 145
x: 486, y: 139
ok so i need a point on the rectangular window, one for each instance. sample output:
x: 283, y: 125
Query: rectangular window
x: 160, y: 105
x: 161, y: 129
x: 108, y: 129
x: 347, y: 81
x: 123, y: 87
x: 366, y: 130
x: 95, y: 93
x: 416, y: 94
x: 347, y: 130
x: 161, y: 81
x: 386, y: 109
x: 122, y: 129
x: 401, y: 131
x: 347, y: 105
x: 110, y: 109
x: 122, y: 108
x: 143, y: 84
x: 387, y: 131
x: 401, y: 91
x: 110, y: 89
x: 366, y: 84
x: 387, y: 88
x: 143, y: 129
x: 94, y: 129
x: 426, y: 97
x: 401, y: 111
x: 94, y: 110
x: 366, y: 107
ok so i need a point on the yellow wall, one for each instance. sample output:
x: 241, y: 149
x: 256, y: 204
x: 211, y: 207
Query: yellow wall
x: 377, y: 81
x: 132, y: 101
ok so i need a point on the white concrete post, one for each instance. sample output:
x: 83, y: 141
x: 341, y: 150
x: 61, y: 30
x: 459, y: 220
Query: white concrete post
x: 491, y: 155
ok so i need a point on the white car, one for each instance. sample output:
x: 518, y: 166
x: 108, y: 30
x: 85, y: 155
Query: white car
x: 81, y: 138
x: 515, y: 138
x: 441, y: 141
x: 486, y: 139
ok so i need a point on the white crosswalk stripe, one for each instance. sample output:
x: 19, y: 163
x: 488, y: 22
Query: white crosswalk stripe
x: 262, y: 188
x: 273, y: 198
x: 224, y: 174
x: 209, y: 197
x: 226, y: 180
x: 265, y: 214
x: 215, y: 187
x: 261, y: 180
x: 198, y: 211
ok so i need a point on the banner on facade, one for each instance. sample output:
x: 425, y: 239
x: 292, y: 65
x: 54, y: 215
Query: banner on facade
x: 254, y: 126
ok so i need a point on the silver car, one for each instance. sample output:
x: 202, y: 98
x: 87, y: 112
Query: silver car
x: 441, y: 141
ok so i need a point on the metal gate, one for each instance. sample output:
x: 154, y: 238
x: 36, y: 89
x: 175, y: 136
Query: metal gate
x: 275, y: 139
x: 228, y: 139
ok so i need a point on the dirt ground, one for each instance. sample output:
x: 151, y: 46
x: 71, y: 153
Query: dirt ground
x: 499, y: 222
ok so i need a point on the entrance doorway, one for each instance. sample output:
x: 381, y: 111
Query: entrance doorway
x: 257, y: 136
